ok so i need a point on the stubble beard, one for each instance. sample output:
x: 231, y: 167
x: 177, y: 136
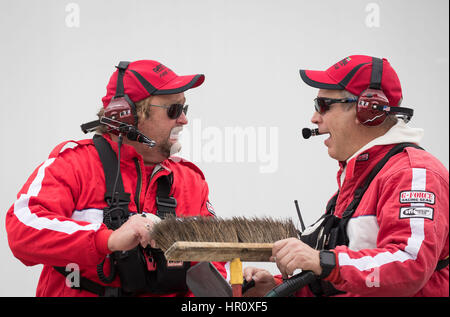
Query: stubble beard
x: 168, y: 148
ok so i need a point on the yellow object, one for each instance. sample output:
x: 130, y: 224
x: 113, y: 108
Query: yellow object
x: 236, y: 275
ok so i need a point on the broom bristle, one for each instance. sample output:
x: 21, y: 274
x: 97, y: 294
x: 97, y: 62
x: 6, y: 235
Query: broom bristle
x: 213, y: 229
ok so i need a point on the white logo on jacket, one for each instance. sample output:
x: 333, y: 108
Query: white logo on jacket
x: 417, y: 196
x: 416, y: 212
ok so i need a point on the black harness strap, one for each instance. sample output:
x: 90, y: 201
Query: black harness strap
x: 113, y: 216
x: 360, y: 191
x: 109, y: 163
x: 442, y: 264
x: 165, y: 204
x: 90, y: 286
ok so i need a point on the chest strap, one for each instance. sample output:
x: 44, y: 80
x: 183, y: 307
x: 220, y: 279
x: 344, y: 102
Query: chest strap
x: 115, y: 196
x: 91, y: 286
x: 165, y: 204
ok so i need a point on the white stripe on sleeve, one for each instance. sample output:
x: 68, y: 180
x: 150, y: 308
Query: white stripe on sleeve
x: 414, y: 242
x: 23, y: 213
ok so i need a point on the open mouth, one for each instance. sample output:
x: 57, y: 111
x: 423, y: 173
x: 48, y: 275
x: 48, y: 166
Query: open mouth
x: 327, y: 140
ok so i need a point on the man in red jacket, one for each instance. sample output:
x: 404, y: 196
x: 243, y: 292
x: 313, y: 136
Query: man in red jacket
x: 58, y: 217
x: 386, y: 238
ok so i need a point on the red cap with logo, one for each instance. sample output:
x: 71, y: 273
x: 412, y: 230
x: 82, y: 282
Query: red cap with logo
x: 146, y: 78
x: 353, y: 74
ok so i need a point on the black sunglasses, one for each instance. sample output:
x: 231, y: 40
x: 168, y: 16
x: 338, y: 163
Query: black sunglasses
x: 322, y: 104
x: 174, y: 110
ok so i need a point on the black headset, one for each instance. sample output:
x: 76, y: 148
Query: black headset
x: 120, y: 116
x: 373, y: 106
x: 121, y: 107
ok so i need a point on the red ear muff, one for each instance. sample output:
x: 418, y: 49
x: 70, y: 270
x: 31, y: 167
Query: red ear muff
x: 119, y: 109
x: 368, y: 107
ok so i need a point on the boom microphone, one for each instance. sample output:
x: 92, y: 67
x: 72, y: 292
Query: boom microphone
x: 134, y: 134
x: 307, y: 133
x: 130, y: 131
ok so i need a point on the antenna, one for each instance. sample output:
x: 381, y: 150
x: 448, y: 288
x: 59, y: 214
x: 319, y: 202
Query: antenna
x: 299, y: 215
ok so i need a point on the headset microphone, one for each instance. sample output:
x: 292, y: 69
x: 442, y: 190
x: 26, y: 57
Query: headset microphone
x: 129, y: 130
x: 135, y: 135
x: 307, y: 133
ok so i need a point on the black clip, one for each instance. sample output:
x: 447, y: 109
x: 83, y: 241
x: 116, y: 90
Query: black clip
x: 114, y: 217
x: 166, y: 202
x: 123, y: 65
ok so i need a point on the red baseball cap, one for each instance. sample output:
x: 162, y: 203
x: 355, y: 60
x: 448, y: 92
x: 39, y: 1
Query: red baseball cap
x: 146, y: 78
x: 353, y: 74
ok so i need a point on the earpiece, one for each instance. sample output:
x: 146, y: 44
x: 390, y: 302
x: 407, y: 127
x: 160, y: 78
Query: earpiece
x: 373, y: 106
x: 121, y: 107
x: 120, y: 115
x: 367, y: 110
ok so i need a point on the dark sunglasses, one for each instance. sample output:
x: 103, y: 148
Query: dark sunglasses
x: 322, y: 104
x: 174, y: 110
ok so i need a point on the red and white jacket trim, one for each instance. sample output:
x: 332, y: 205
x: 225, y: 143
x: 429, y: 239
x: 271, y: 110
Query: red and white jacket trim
x: 400, y: 229
x: 57, y: 218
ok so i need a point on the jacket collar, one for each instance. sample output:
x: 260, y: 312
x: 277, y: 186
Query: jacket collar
x: 399, y: 133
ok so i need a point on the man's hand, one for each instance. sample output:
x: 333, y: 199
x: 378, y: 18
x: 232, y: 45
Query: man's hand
x: 136, y: 230
x: 292, y: 254
x: 264, y: 281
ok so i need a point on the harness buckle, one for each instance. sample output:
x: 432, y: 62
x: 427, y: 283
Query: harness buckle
x: 166, y: 202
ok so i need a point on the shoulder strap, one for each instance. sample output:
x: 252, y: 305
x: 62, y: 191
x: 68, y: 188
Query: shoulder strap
x: 442, y: 264
x: 117, y: 211
x: 109, y: 162
x: 359, y: 192
x: 342, y: 239
x: 332, y: 204
x: 113, y: 216
x: 165, y: 204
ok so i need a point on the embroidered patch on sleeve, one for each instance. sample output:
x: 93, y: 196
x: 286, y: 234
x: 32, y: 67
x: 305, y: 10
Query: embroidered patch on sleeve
x: 210, y: 208
x: 416, y: 212
x: 417, y: 196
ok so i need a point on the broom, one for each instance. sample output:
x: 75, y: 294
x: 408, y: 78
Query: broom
x: 222, y: 240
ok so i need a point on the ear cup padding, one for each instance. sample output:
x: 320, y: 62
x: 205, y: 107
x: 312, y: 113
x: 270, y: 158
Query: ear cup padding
x: 365, y: 111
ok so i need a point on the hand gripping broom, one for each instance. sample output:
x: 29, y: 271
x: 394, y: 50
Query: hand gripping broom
x: 221, y: 240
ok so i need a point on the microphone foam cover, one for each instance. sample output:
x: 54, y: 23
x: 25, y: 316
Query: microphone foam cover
x: 306, y: 133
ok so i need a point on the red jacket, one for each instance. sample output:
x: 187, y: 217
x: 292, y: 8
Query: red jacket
x: 57, y: 217
x: 400, y: 229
